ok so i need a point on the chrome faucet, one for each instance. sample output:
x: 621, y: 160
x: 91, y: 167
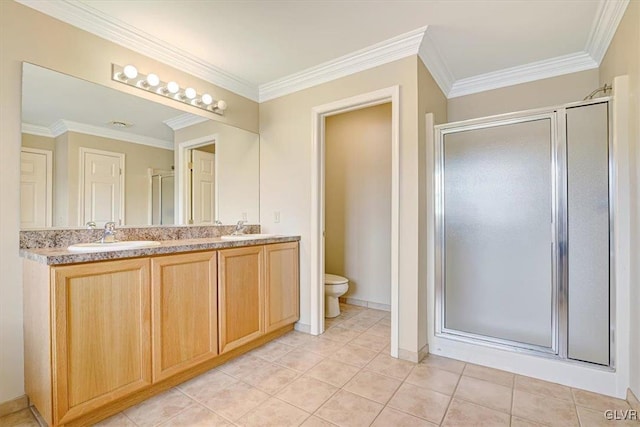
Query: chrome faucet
x: 109, y: 234
x: 91, y: 225
x: 240, y: 227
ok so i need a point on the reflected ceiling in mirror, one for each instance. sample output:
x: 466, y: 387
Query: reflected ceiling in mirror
x: 95, y: 154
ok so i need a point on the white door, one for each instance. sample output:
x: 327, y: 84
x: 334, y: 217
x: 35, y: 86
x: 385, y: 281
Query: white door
x: 202, y: 187
x: 102, y: 187
x: 36, y: 188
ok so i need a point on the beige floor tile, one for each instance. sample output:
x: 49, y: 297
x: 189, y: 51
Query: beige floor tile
x: 274, y: 412
x: 314, y: 421
x: 390, y: 417
x: 521, y: 422
x: 159, y: 408
x: 543, y: 388
x: 376, y: 387
x: 235, y: 400
x: 118, y: 420
x: 354, y: 355
x: 340, y: 334
x: 350, y: 308
x: 385, y: 321
x: 598, y: 401
x: 372, y: 313
x: 593, y: 418
x: 300, y: 360
x: 272, y: 351
x: 197, y: 415
x: 243, y: 365
x: 489, y: 374
x: 348, y: 409
x: 544, y: 410
x: 332, y: 322
x: 466, y: 414
x: 421, y: 402
x: 390, y: 366
x: 22, y: 418
x: 333, y: 372
x: 451, y: 365
x: 382, y: 331
x: 370, y: 341
x: 207, y: 384
x: 633, y: 401
x: 296, y: 339
x: 307, y: 393
x: 323, y: 346
x: 358, y: 324
x: 433, y: 378
x: 271, y: 379
x: 484, y: 393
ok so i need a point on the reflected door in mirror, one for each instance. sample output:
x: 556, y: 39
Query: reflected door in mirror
x: 102, y: 176
x: 36, y: 188
x: 202, y: 187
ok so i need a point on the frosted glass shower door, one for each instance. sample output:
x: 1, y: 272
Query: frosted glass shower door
x: 497, y: 239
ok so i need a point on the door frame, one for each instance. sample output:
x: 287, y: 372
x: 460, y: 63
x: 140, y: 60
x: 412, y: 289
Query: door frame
x: 49, y: 202
x: 318, y: 115
x: 182, y: 193
x: 83, y: 151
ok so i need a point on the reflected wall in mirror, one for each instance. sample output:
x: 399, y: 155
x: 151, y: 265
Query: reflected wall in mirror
x: 95, y: 154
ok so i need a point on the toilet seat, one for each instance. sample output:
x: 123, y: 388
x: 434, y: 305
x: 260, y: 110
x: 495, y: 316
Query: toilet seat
x: 333, y: 279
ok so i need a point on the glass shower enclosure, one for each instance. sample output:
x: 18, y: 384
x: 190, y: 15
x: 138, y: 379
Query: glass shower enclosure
x: 523, y: 221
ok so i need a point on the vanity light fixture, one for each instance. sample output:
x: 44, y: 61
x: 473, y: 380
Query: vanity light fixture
x: 129, y: 75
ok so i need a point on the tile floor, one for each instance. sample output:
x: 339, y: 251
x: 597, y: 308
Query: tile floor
x: 346, y: 378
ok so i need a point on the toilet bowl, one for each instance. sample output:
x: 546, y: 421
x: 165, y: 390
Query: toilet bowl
x: 334, y: 287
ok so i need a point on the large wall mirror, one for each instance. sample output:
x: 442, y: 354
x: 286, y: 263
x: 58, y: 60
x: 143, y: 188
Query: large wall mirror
x: 92, y: 154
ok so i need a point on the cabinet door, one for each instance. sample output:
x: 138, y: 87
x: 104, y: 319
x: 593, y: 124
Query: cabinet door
x: 240, y: 296
x: 282, y: 284
x: 102, y: 336
x: 184, y: 310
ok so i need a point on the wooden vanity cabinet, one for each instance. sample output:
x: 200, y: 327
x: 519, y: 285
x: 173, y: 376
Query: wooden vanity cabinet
x: 282, y: 301
x: 101, y: 334
x: 240, y: 296
x: 184, y: 311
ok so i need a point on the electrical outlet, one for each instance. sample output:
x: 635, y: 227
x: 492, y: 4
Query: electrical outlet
x: 244, y: 216
x: 276, y: 217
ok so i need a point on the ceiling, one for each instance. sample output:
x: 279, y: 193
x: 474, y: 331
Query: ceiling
x: 264, y: 49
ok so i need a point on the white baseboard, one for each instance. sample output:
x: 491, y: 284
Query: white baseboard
x: 302, y: 327
x: 367, y: 304
x: 633, y: 401
x: 14, y: 405
x: 413, y: 356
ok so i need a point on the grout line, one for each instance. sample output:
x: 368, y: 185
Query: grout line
x: 453, y: 393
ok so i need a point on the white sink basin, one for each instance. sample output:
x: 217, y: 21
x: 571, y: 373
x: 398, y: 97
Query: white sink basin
x: 115, y: 246
x: 247, y: 236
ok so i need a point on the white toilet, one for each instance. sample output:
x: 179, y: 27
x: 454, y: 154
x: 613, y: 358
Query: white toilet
x: 334, y: 287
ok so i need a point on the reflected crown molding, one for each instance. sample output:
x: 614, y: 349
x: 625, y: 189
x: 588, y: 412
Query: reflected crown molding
x: 184, y: 120
x: 62, y: 126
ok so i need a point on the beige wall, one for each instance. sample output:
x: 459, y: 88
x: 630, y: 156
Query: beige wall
x: 541, y: 93
x: 237, y: 169
x: 38, y: 141
x: 358, y: 201
x: 285, y: 175
x: 623, y: 57
x: 26, y: 35
x: 138, y: 159
x: 430, y: 100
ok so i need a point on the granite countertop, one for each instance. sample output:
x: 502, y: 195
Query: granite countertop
x: 59, y: 256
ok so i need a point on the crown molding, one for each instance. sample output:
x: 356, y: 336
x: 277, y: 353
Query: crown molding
x: 37, y: 130
x: 432, y: 58
x: 89, y: 19
x: 604, y: 27
x: 61, y: 126
x: 399, y: 47
x: 538, y: 70
x: 184, y: 120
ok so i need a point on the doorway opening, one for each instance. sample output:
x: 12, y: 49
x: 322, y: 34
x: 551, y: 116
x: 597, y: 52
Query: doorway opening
x: 319, y: 114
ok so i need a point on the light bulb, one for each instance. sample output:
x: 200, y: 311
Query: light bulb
x: 221, y: 105
x: 190, y: 93
x: 153, y: 80
x: 207, y: 99
x: 173, y: 87
x: 130, y: 72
